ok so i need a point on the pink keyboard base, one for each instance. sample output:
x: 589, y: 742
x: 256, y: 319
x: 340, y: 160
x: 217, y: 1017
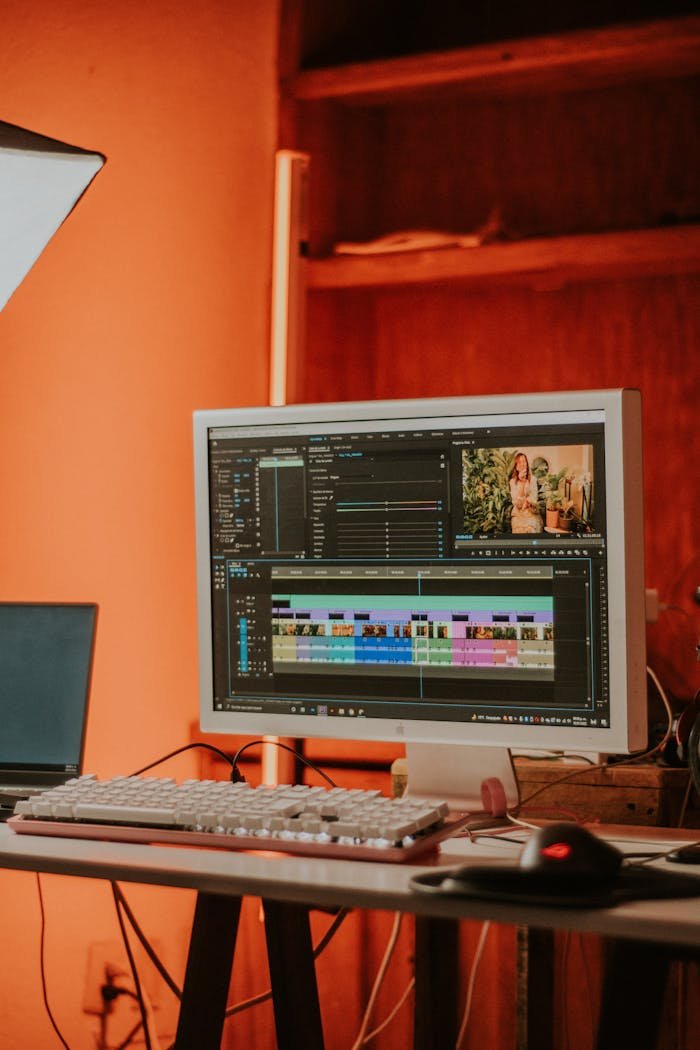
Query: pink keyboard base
x: 210, y: 840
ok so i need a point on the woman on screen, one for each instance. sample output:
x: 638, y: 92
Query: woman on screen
x: 525, y: 516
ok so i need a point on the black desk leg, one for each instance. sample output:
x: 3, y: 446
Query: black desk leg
x: 437, y: 979
x: 534, y: 989
x: 293, y: 976
x: 208, y: 973
x: 634, y: 985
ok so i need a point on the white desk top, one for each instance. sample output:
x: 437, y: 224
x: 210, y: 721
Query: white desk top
x: 333, y: 883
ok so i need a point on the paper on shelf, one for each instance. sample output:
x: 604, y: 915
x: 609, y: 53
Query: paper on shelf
x: 408, y: 241
x: 424, y: 240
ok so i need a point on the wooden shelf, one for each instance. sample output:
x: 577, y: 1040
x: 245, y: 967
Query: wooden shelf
x: 572, y: 61
x: 547, y: 262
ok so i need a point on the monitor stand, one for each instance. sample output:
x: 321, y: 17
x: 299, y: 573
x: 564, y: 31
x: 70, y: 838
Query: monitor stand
x: 468, y: 777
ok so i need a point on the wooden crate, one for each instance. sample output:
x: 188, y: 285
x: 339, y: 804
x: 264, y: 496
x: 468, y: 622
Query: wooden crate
x: 644, y: 794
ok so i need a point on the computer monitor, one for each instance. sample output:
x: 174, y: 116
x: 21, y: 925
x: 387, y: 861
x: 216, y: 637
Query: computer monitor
x: 460, y: 572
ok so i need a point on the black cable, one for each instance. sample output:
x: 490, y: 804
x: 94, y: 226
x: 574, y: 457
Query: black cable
x: 134, y: 972
x: 475, y: 836
x: 130, y: 1037
x: 117, y: 890
x: 233, y: 762
x: 236, y: 775
x: 187, y: 747
x: 264, y: 997
x: 285, y: 747
x: 640, y: 859
x: 42, y: 966
x: 331, y: 932
x: 238, y: 1008
x: 110, y: 992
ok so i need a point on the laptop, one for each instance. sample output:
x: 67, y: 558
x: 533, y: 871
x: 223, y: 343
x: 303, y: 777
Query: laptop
x: 46, y: 652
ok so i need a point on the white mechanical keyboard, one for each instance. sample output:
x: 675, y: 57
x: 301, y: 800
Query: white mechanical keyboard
x: 330, y: 822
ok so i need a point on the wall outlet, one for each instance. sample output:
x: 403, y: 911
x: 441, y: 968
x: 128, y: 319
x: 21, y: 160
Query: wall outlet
x: 107, y: 964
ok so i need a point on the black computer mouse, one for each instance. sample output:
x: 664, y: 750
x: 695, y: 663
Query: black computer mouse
x: 569, y: 849
x: 564, y: 865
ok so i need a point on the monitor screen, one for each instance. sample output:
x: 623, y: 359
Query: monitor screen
x: 462, y: 569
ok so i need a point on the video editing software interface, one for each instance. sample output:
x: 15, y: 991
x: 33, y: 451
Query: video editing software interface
x: 448, y: 568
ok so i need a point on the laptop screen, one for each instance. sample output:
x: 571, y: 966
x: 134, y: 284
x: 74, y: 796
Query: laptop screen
x: 45, y: 664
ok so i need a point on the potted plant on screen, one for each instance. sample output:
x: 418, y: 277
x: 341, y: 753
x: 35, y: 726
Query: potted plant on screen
x: 553, y: 497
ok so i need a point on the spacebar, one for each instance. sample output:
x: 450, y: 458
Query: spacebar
x: 123, y: 814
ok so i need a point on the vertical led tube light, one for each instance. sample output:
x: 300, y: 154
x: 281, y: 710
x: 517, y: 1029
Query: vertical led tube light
x: 290, y: 237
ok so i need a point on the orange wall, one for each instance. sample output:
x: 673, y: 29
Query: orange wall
x: 150, y: 302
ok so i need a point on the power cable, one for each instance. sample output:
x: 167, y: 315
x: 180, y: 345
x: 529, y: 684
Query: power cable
x: 134, y: 972
x: 42, y: 964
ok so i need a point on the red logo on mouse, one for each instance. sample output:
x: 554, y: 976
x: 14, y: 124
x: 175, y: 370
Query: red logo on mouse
x: 556, y: 851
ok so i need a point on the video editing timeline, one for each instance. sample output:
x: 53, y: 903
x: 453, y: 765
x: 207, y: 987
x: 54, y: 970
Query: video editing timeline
x: 343, y: 575
x: 500, y: 634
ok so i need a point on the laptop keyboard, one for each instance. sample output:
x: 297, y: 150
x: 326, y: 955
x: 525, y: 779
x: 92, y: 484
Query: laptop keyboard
x: 291, y: 819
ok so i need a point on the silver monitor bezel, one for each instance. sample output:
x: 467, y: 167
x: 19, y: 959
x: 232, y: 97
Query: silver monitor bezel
x: 621, y: 413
